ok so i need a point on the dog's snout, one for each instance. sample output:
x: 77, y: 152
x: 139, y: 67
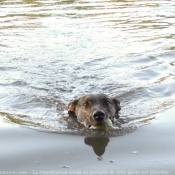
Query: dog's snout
x: 98, y: 115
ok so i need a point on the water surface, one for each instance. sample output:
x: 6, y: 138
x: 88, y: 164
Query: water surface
x: 54, y: 51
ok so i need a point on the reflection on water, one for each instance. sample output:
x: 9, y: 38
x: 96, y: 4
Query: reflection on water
x: 55, y: 51
x: 98, y: 144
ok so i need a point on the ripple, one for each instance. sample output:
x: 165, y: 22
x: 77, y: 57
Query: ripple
x: 65, y: 125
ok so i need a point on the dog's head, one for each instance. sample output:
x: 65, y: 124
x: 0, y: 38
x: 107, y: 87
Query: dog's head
x: 94, y: 109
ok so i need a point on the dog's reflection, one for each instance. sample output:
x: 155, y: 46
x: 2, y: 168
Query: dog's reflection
x: 98, y: 144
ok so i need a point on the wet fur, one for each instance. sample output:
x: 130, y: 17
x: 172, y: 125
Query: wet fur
x: 85, y: 107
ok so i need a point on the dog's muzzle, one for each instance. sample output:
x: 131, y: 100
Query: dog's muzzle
x: 98, y: 116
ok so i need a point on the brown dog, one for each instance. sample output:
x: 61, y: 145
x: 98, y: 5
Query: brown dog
x: 94, y: 109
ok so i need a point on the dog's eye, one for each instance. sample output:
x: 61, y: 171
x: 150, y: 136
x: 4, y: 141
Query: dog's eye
x: 86, y: 104
x: 107, y: 103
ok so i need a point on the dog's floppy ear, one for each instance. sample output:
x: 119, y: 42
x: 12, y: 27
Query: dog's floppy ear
x: 71, y: 107
x: 117, y: 107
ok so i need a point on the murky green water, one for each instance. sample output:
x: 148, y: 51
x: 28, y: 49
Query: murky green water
x: 54, y: 51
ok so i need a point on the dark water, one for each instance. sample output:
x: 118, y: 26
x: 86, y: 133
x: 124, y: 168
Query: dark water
x: 54, y: 51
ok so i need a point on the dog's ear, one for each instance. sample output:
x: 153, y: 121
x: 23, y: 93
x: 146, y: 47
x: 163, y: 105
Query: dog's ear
x: 71, y: 107
x: 117, y: 107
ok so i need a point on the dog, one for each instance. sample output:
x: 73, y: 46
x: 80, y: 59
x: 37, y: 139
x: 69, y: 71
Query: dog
x: 94, y: 109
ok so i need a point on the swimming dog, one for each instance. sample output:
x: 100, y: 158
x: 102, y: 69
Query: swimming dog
x: 94, y: 109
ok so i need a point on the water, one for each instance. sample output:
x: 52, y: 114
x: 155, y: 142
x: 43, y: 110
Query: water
x: 52, y: 52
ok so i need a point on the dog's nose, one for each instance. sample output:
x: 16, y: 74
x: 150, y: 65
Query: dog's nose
x: 98, y: 115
